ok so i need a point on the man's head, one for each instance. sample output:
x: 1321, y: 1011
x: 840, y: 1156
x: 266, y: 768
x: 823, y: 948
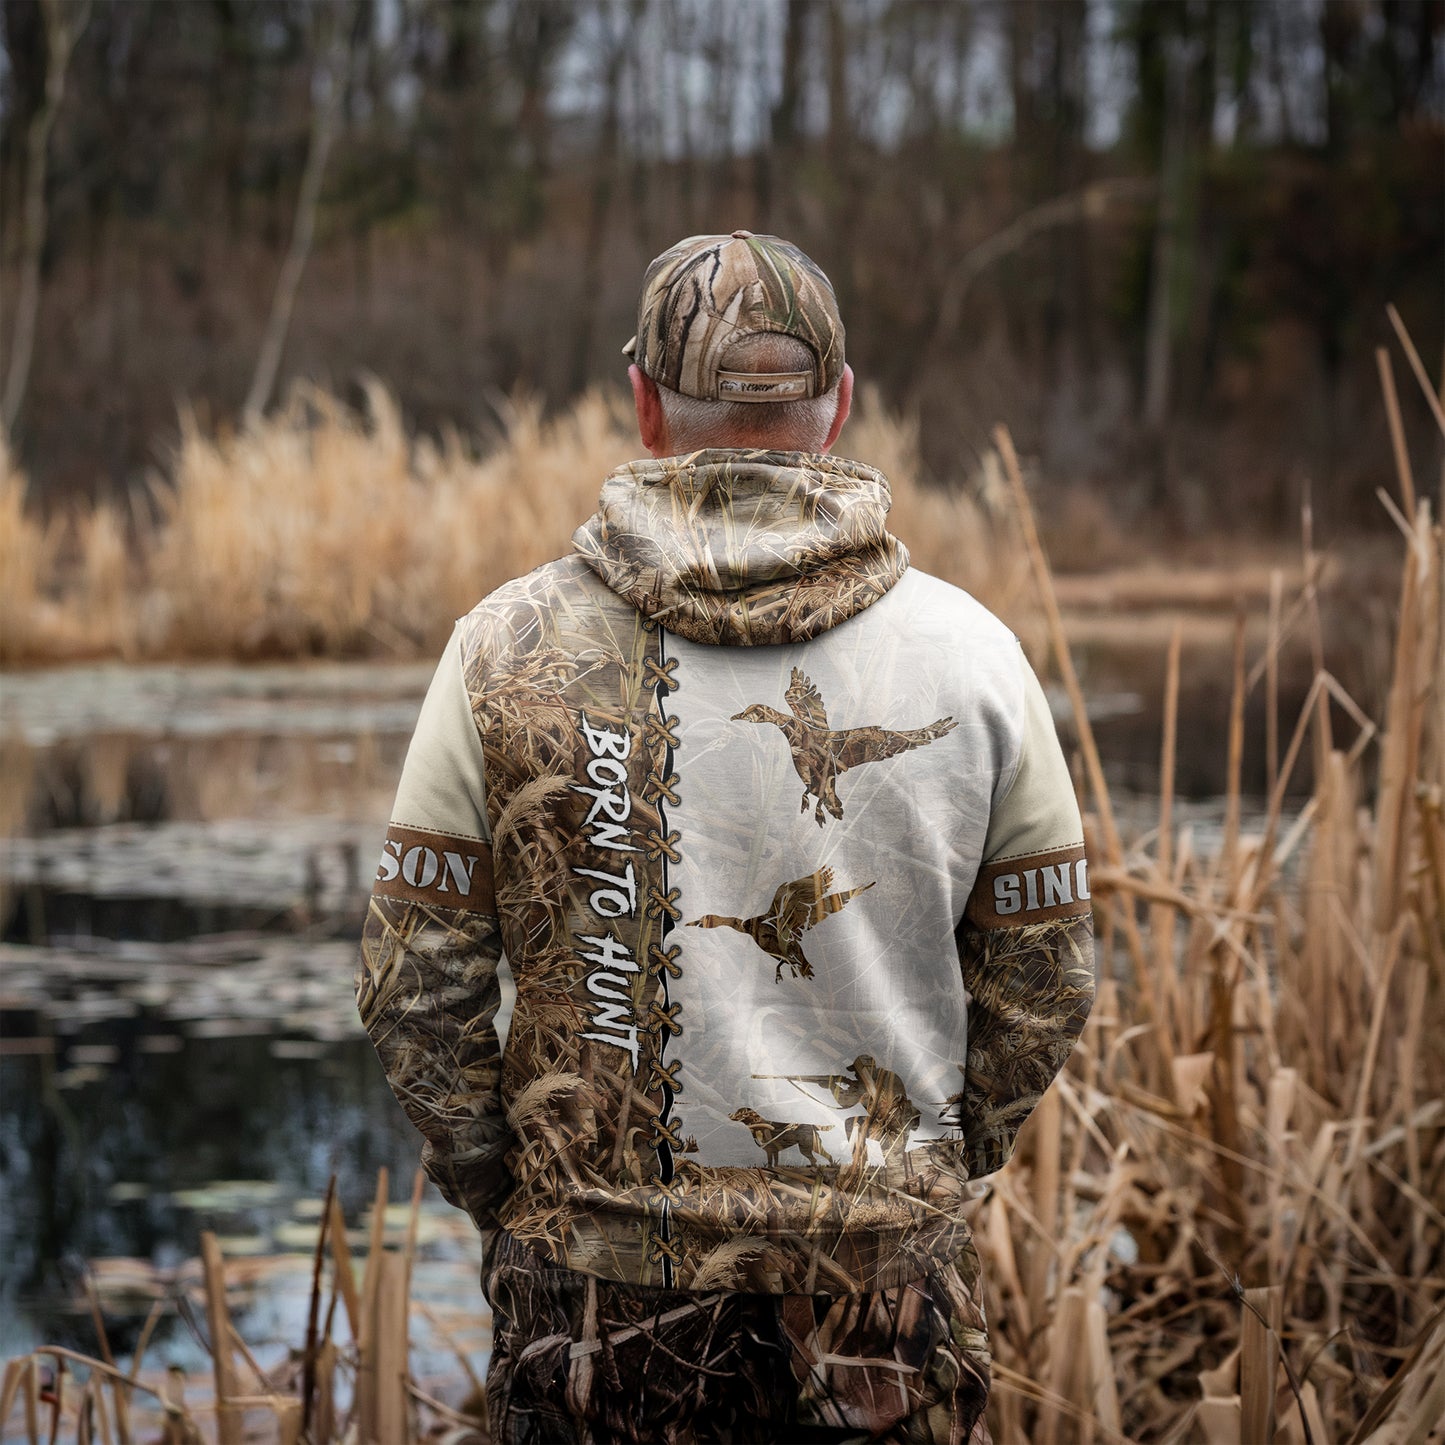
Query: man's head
x: 739, y: 344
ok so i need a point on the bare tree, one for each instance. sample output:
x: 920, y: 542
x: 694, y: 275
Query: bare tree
x: 778, y: 156
x: 328, y: 86
x: 1159, y: 327
x: 1074, y: 210
x: 617, y: 44
x: 64, y: 22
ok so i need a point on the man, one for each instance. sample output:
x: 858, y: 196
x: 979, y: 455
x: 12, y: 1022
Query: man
x: 721, y: 1156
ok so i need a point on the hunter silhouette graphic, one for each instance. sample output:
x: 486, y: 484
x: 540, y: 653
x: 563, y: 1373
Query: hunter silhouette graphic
x: 796, y: 907
x: 821, y: 754
x: 890, y: 1115
x: 773, y: 1137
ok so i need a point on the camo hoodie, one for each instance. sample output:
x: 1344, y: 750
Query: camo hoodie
x: 775, y: 841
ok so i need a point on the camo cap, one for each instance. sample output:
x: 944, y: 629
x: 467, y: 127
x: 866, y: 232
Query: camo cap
x: 707, y: 292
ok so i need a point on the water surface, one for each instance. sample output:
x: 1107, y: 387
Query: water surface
x: 181, y: 890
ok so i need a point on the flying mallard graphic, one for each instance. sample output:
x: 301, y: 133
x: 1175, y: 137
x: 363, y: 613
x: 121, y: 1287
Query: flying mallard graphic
x: 795, y: 908
x: 820, y: 754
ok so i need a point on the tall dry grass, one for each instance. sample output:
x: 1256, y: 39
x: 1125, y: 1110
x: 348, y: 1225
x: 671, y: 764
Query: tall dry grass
x: 325, y: 531
x: 349, y: 1380
x: 1227, y: 1221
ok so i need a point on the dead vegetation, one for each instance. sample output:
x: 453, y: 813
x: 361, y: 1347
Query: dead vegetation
x: 349, y: 1380
x: 1225, y: 1223
x: 318, y: 531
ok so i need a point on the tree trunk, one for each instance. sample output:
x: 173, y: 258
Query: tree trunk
x: 1023, y: 23
x: 605, y: 169
x: 1163, y: 277
x: 328, y: 87
x: 1066, y: 311
x: 842, y: 160
x: 63, y: 26
x: 780, y: 155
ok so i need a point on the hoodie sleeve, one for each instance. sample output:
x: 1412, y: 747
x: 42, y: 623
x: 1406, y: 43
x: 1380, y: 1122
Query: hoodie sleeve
x: 1026, y: 943
x: 427, y: 988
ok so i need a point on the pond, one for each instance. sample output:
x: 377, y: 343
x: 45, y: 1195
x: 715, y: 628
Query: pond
x: 181, y: 892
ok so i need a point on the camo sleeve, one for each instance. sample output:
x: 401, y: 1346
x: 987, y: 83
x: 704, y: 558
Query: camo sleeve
x: 1026, y: 943
x: 427, y: 988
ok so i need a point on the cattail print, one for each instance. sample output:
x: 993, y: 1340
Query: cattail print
x: 909, y: 1364
x: 1032, y: 989
x: 747, y: 548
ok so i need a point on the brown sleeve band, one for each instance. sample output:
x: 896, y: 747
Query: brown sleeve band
x: 1035, y: 888
x: 440, y: 869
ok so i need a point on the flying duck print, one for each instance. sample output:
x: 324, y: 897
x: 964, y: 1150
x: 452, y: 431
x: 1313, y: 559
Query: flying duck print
x: 796, y: 907
x: 820, y: 754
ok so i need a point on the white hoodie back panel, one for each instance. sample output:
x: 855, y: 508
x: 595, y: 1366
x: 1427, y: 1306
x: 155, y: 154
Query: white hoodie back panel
x: 886, y: 979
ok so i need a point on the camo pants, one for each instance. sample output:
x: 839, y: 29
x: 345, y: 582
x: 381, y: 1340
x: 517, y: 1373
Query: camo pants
x: 586, y: 1360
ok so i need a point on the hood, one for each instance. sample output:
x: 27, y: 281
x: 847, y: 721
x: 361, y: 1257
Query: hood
x: 745, y: 547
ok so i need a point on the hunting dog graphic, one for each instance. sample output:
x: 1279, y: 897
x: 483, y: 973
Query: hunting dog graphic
x: 773, y: 1138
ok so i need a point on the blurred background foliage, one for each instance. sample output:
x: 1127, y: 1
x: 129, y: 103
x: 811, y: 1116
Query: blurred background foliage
x: 1154, y: 237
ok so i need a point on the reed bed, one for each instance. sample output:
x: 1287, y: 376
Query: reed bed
x: 348, y: 1381
x: 1227, y: 1221
x: 325, y: 531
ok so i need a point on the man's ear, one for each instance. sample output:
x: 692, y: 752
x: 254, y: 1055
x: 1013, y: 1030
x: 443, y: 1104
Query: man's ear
x: 845, y: 405
x: 650, y: 421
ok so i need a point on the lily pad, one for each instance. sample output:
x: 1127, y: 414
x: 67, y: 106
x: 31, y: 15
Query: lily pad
x: 228, y: 1194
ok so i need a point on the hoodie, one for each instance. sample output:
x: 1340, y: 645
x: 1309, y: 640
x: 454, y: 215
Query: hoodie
x: 774, y: 840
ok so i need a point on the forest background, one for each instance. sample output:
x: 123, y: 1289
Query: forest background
x: 1154, y: 237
